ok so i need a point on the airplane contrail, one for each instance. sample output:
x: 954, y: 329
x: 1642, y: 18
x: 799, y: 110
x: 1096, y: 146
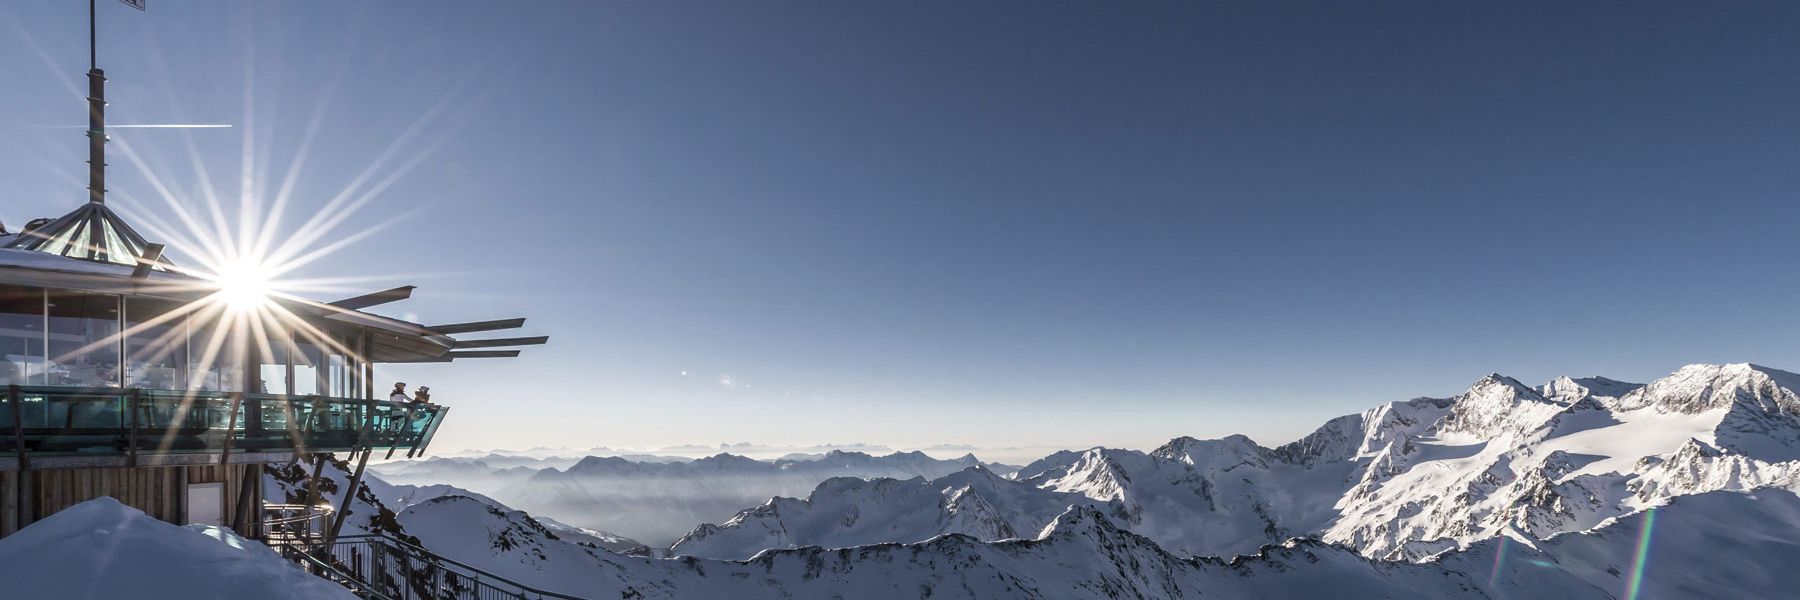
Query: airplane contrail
x: 154, y: 126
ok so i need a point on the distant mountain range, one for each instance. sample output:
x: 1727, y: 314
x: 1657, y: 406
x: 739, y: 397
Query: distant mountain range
x: 1578, y: 488
x: 1403, y: 481
x: 1717, y: 544
x: 657, y: 501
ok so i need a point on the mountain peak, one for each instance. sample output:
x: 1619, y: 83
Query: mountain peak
x: 1702, y: 387
x: 1077, y: 521
x: 1571, y: 390
x: 1497, y: 404
x: 1224, y: 452
x: 1495, y: 382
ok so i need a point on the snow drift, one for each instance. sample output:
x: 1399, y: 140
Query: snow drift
x: 104, y: 550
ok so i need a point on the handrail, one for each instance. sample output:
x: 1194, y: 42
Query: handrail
x: 312, y: 565
x: 131, y: 422
x: 313, y: 512
x: 435, y: 576
x: 446, y: 560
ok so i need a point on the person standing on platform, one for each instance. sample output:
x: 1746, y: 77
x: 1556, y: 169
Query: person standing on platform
x: 399, y: 394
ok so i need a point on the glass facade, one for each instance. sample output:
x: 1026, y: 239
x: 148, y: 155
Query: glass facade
x: 83, y: 340
x: 21, y: 335
x: 90, y: 340
x: 215, y: 360
x: 101, y: 374
x: 156, y: 345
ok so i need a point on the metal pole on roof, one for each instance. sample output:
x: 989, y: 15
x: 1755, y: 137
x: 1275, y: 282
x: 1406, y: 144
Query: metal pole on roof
x: 96, y: 122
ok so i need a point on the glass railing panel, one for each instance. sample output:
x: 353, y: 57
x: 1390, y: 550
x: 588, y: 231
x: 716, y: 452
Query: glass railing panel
x: 72, y: 421
x: 108, y: 421
x: 437, y: 418
x: 182, y: 422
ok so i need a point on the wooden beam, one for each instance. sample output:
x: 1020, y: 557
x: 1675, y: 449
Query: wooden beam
x: 152, y: 255
x: 441, y: 359
x: 483, y: 354
x: 376, y: 299
x: 496, y: 325
x: 24, y: 477
x: 244, y: 515
x: 312, y: 496
x: 237, y: 401
x: 502, y: 342
x: 349, y: 495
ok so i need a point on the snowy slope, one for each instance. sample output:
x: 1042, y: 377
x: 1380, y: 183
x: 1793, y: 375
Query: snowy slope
x: 1080, y: 554
x: 399, y: 497
x: 103, y: 550
x: 1718, y: 544
x: 287, y: 483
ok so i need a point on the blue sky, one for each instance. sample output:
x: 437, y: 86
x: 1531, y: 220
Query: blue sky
x: 1000, y: 224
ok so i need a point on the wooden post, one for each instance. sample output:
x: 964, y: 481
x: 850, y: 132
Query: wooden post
x: 248, y: 487
x: 312, y: 494
x: 337, y: 523
x: 132, y: 405
x: 368, y: 368
x: 237, y: 398
x: 23, y: 488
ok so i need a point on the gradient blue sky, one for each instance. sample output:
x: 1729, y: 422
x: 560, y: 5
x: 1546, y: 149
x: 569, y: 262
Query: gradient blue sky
x: 1001, y: 224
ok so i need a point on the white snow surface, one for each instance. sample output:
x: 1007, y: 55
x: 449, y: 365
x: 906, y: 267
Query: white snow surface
x: 104, y: 550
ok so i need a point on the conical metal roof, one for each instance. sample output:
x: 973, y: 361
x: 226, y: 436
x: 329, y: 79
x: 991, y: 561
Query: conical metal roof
x: 92, y: 232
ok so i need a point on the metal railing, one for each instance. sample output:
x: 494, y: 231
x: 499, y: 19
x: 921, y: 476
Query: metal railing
x: 44, y: 421
x: 378, y: 566
x: 295, y: 524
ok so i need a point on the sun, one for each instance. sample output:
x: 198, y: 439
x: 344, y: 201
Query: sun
x: 243, y: 285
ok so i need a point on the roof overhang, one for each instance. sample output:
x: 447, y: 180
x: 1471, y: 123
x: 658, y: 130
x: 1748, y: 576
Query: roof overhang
x: 390, y: 339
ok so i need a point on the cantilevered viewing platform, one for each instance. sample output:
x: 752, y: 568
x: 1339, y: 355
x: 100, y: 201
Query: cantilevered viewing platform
x: 134, y: 379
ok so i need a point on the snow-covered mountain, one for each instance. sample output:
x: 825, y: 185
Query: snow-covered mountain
x: 1717, y: 544
x: 660, y: 501
x: 399, y: 497
x: 286, y: 483
x: 1579, y: 488
x: 1405, y: 480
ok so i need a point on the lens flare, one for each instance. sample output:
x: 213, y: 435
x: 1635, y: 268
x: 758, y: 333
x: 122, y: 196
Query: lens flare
x: 1499, y: 562
x: 243, y: 286
x: 1636, y: 583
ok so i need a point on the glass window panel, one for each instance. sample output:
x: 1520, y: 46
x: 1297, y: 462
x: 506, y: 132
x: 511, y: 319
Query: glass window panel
x: 63, y: 243
x: 84, y: 339
x: 308, y: 363
x: 215, y: 357
x: 156, y: 349
x: 21, y: 335
x: 272, y: 367
x: 340, y: 376
x: 117, y: 249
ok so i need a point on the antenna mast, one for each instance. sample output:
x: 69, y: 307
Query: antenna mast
x: 96, y: 119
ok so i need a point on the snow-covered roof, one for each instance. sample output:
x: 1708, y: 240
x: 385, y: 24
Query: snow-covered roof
x: 102, y: 549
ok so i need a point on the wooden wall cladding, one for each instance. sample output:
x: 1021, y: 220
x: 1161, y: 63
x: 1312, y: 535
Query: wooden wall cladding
x: 160, y: 492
